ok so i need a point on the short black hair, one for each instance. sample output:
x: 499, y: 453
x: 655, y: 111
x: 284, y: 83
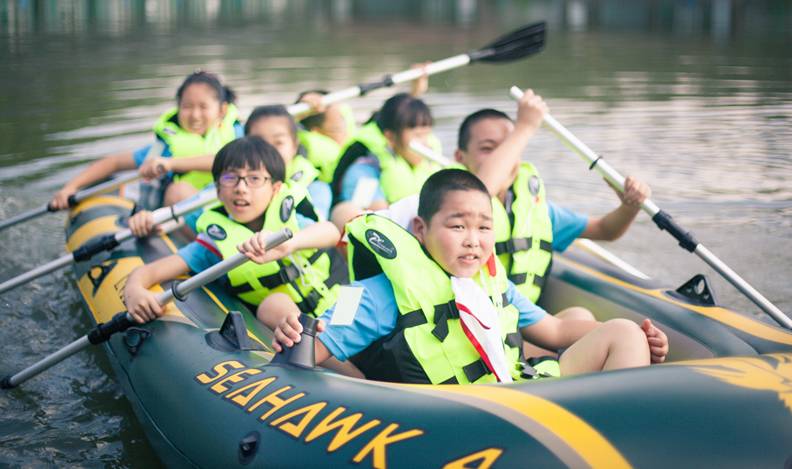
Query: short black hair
x: 250, y: 152
x: 402, y: 111
x: 472, y: 119
x: 315, y: 120
x: 275, y: 110
x: 224, y: 94
x: 441, y: 183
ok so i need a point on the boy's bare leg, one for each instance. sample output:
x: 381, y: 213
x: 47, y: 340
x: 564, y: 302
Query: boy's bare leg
x: 618, y: 343
x: 574, y: 312
x: 178, y: 191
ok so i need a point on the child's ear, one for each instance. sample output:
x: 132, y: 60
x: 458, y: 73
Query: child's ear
x: 223, y: 110
x: 458, y: 155
x: 390, y: 136
x: 419, y: 227
x: 276, y: 186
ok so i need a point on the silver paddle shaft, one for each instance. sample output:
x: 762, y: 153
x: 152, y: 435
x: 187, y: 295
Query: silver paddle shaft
x: 160, y: 216
x: 125, y: 320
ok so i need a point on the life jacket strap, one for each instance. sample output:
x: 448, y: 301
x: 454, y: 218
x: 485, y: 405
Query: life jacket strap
x: 513, y: 245
x: 474, y: 371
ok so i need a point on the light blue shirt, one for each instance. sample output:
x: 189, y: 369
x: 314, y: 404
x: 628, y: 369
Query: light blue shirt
x: 377, y: 314
x: 567, y: 226
x: 364, y: 168
x: 321, y: 198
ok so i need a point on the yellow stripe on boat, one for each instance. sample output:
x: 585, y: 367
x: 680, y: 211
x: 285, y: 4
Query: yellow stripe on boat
x: 101, y: 201
x: 101, y: 225
x: 730, y: 318
x: 103, y: 289
x: 585, y: 440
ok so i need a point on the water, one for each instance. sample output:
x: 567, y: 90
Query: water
x: 693, y: 97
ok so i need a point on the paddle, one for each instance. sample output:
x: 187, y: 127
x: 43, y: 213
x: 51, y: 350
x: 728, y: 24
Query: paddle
x: 662, y: 219
x: 74, y: 199
x: 523, y: 42
x: 122, y: 321
x: 111, y: 241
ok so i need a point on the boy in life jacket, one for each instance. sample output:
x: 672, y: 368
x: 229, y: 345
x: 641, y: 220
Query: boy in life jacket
x: 436, y: 305
x: 322, y: 135
x: 187, y: 138
x: 277, y: 127
x: 249, y: 174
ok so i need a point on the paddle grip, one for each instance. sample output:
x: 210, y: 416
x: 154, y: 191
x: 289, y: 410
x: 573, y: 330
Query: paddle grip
x: 664, y: 221
x: 301, y: 354
x: 386, y: 81
x: 102, y: 332
x: 93, y: 247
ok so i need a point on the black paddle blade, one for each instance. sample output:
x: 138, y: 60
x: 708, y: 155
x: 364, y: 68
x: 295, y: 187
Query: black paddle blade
x: 523, y: 42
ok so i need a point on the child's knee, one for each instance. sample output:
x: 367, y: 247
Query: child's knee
x: 578, y: 313
x: 623, y: 328
x: 178, y: 191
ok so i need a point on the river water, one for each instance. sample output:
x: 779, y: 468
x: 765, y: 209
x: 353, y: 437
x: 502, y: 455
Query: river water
x: 693, y: 97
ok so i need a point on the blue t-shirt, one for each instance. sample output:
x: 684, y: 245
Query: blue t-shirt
x: 364, y: 168
x: 377, y: 313
x: 321, y: 198
x: 567, y: 226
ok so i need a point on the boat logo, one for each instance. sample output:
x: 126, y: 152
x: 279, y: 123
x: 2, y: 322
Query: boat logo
x: 216, y: 232
x: 286, y: 208
x: 297, y: 176
x: 769, y: 374
x: 533, y: 185
x: 381, y: 244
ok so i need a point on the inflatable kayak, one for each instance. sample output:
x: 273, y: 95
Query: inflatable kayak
x: 203, y: 382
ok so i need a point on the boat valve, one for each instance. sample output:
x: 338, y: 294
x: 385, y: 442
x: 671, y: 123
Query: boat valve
x: 302, y: 353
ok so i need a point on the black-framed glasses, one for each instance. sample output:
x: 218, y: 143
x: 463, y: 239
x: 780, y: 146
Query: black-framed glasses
x: 252, y: 180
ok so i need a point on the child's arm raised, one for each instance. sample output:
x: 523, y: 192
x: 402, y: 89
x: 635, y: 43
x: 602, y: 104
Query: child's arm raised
x: 142, y: 303
x: 96, y: 171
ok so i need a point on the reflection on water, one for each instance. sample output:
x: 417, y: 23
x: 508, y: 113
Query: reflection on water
x: 694, y: 97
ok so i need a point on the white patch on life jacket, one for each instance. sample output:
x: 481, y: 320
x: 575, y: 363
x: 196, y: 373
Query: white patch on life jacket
x: 346, y: 306
x: 364, y: 192
x: 480, y: 318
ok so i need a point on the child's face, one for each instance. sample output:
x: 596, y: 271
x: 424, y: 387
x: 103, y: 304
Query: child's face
x: 277, y: 132
x: 199, y: 109
x: 485, y: 136
x: 459, y: 237
x: 243, y: 202
x: 401, y: 142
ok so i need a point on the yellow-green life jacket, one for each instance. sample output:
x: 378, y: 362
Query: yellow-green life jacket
x: 302, y: 275
x: 523, y: 232
x: 301, y: 172
x: 185, y: 144
x: 398, y: 178
x: 428, y: 344
x: 321, y: 151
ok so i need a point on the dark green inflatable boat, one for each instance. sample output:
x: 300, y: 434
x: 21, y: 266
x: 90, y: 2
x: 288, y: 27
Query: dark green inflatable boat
x: 212, y: 400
